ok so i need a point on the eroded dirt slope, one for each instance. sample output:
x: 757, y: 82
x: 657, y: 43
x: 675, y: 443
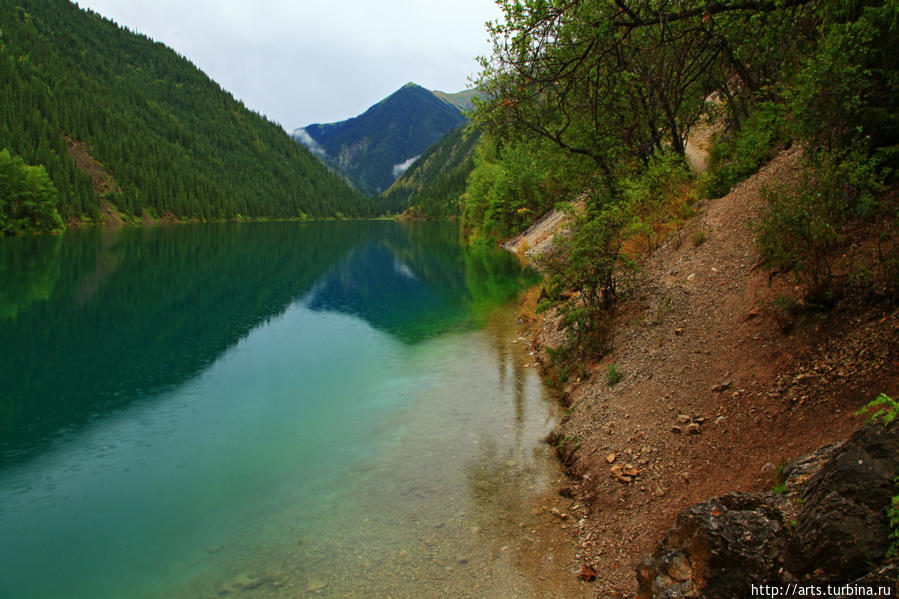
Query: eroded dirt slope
x: 699, y: 354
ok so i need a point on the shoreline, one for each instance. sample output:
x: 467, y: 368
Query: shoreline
x: 695, y: 346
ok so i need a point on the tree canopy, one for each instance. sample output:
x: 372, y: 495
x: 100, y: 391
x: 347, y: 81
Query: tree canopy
x: 120, y: 122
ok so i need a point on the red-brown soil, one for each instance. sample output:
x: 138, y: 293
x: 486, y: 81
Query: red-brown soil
x: 695, y: 339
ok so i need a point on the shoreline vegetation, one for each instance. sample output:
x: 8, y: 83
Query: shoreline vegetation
x: 699, y: 327
x: 745, y: 308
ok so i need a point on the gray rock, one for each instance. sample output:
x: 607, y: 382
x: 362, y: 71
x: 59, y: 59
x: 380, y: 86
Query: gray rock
x: 722, y: 386
x: 717, y: 549
x: 841, y: 533
x: 843, y: 525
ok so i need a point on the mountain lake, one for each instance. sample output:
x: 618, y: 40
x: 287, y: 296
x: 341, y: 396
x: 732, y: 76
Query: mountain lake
x: 336, y: 409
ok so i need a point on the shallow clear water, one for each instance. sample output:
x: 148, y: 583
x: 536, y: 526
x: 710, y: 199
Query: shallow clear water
x: 271, y: 410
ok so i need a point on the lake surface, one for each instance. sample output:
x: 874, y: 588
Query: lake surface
x: 270, y: 410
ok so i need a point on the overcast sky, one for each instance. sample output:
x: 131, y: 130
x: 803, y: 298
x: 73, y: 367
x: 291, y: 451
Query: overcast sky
x: 303, y: 61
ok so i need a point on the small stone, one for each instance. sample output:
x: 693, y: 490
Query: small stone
x: 587, y: 573
x: 616, y: 470
x: 558, y: 514
x: 693, y: 428
x: 610, y: 458
x: 679, y: 568
x: 720, y: 420
x: 676, y: 429
x: 245, y: 581
x: 678, y: 331
x: 630, y: 471
x: 722, y: 386
x: 683, y: 419
x: 315, y: 586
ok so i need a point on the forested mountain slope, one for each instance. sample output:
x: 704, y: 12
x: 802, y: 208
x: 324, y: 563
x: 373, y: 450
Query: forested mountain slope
x: 374, y: 148
x: 124, y: 124
x: 434, y: 184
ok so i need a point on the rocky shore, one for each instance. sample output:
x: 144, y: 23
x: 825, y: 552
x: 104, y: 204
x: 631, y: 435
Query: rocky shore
x: 715, y: 395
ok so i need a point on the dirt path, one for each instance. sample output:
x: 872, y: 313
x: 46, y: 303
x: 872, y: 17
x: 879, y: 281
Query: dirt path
x: 692, y: 342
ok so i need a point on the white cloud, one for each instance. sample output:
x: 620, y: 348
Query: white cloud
x: 302, y: 136
x: 402, y: 167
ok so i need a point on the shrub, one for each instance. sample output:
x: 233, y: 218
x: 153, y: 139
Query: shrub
x: 802, y: 229
x: 737, y: 154
x: 613, y: 375
x: 656, y: 194
x: 584, y: 263
x: 883, y: 408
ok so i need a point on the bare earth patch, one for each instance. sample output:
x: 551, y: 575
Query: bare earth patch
x: 103, y: 182
x: 713, y: 395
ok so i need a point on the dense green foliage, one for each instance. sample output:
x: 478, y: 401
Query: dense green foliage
x: 737, y: 154
x: 27, y: 197
x: 842, y: 101
x: 592, y: 100
x: 513, y: 183
x: 433, y: 186
x: 369, y: 148
x: 153, y: 134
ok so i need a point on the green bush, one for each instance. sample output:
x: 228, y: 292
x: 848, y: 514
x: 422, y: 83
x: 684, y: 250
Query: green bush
x: 27, y: 197
x: 511, y: 185
x: 585, y: 265
x: 802, y: 228
x: 613, y: 375
x: 846, y: 93
x: 884, y: 408
x: 737, y: 154
x: 654, y: 193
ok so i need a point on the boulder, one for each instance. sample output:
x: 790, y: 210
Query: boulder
x: 843, y: 525
x: 830, y: 525
x: 698, y: 557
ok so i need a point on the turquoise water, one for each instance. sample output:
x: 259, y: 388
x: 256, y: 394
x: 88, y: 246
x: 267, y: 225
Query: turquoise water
x: 267, y: 410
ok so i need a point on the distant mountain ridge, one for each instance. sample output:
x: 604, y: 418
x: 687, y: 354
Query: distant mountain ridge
x: 374, y: 148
